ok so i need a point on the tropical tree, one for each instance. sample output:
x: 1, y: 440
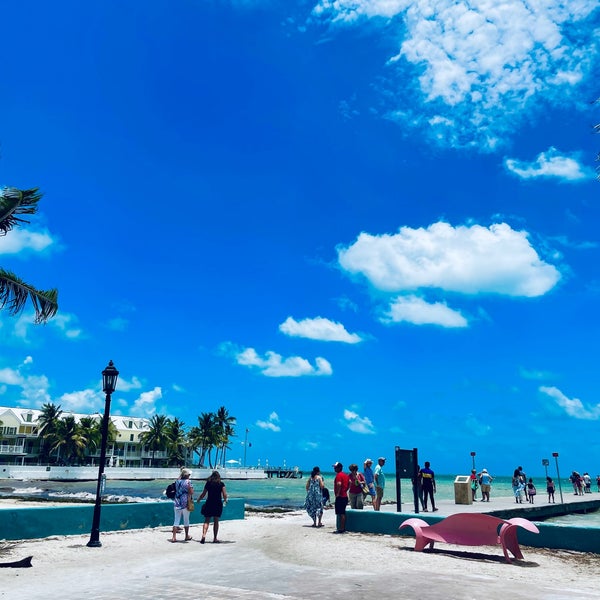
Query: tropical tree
x: 70, y: 440
x: 156, y: 437
x: 176, y: 442
x: 224, y: 431
x: 47, y: 427
x: 91, y: 429
x: 14, y: 292
x: 203, y: 438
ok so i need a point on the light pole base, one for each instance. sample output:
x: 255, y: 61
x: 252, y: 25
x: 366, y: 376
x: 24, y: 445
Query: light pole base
x: 94, y: 544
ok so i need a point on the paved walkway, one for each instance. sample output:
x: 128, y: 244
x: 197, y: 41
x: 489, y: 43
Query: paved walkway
x: 284, y: 558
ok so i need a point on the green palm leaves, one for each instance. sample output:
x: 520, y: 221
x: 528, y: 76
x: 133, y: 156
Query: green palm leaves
x: 14, y: 292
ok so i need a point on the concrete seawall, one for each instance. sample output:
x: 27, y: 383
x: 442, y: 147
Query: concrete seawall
x: 566, y: 537
x: 33, y: 522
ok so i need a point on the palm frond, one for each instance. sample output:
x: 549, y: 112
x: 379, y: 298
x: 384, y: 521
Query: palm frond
x: 14, y: 294
x: 15, y: 202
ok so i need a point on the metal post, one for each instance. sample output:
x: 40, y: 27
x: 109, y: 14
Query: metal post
x: 555, y: 454
x: 245, y: 445
x: 545, y: 463
x: 473, y: 459
x: 95, y: 534
x: 398, y: 488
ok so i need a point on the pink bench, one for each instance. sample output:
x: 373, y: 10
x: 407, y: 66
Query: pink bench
x: 471, y: 529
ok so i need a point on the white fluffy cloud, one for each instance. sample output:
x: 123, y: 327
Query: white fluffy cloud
x: 464, y: 259
x: 24, y: 330
x: 358, y: 424
x: 83, y: 401
x: 476, y: 65
x: 411, y: 309
x: 126, y: 385
x: 145, y: 404
x: 274, y: 365
x: 272, y: 424
x: 33, y: 390
x: 319, y: 328
x: 550, y: 164
x: 573, y: 407
x: 19, y: 241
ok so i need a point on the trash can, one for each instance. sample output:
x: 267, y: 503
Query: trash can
x: 462, y: 490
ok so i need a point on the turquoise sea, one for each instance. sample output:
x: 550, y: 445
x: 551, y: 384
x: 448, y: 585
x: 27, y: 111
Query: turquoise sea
x: 262, y: 493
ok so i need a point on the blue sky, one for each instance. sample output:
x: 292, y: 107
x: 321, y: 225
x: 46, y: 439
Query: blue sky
x: 356, y: 223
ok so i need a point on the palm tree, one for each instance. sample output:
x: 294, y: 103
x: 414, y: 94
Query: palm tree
x: 91, y: 429
x: 14, y: 292
x: 203, y: 438
x: 47, y: 427
x: 225, y: 430
x: 156, y: 437
x: 69, y: 438
x: 176, y: 442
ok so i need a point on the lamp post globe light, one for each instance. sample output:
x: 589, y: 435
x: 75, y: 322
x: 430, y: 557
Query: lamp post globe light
x: 109, y: 383
x: 473, y: 458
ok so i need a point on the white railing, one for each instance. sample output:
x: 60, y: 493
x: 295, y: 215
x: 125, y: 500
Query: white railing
x: 12, y: 449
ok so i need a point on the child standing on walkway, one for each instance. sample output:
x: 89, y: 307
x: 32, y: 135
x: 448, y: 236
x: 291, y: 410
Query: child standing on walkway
x: 531, y: 491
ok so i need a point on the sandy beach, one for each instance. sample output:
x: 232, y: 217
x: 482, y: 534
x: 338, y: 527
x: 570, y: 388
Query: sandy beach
x: 283, y: 556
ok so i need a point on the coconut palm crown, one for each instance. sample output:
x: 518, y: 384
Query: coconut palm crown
x: 14, y: 292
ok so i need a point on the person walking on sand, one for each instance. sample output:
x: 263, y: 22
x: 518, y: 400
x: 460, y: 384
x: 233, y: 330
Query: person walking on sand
x: 341, y: 484
x: 314, y: 497
x: 213, y: 507
x: 428, y: 482
x: 379, y: 477
x: 550, y: 489
x: 183, y: 490
x: 370, y: 478
x: 486, y: 485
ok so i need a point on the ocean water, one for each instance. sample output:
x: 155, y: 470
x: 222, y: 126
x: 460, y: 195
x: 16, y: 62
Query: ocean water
x: 261, y: 493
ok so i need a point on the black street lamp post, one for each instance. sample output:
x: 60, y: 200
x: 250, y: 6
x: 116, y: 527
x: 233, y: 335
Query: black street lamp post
x: 109, y: 383
x: 473, y: 459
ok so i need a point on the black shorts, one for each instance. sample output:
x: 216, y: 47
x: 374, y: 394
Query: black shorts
x: 340, y: 505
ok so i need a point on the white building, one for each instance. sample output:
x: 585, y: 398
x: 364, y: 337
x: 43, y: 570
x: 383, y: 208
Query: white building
x: 20, y: 442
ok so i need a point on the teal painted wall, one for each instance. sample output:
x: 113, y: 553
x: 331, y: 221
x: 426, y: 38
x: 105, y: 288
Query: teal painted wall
x: 550, y: 536
x: 32, y: 522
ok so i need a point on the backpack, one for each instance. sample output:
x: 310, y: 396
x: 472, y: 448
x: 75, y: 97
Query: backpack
x: 170, y: 491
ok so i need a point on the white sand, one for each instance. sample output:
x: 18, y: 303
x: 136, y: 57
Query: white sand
x: 282, y: 556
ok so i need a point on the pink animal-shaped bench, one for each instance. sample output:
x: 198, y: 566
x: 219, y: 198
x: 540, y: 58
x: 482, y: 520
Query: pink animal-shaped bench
x: 471, y: 529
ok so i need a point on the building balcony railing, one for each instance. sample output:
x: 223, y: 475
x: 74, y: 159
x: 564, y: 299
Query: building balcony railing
x: 12, y: 449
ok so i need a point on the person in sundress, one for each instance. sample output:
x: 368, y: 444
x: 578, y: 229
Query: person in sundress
x: 314, y: 497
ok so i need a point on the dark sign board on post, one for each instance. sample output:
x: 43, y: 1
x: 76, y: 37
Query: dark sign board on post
x: 406, y: 468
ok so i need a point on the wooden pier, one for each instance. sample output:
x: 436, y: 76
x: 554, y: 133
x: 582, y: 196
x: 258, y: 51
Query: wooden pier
x: 283, y: 473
